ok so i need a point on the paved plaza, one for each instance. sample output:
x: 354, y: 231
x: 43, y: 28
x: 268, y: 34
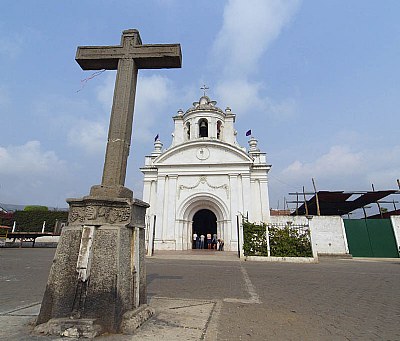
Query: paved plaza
x: 205, y: 296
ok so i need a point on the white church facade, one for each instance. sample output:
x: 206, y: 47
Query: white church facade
x: 204, y: 182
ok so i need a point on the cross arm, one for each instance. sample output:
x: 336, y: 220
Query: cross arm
x: 154, y: 56
x: 98, y: 57
x: 158, y: 56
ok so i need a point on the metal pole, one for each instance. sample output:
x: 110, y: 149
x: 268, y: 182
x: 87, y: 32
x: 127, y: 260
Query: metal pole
x: 305, y: 201
x: 379, y: 206
x: 365, y: 213
x: 316, y: 197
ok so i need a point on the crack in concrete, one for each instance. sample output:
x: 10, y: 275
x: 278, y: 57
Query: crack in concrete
x: 192, y: 305
x: 203, y: 334
x: 18, y: 309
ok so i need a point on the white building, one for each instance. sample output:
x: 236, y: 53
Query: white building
x: 204, y: 181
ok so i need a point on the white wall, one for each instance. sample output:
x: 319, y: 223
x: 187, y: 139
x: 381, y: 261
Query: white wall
x: 396, y: 229
x: 329, y: 235
x: 327, y: 232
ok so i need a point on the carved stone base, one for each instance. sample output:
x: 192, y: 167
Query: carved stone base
x: 74, y: 328
x: 108, y: 280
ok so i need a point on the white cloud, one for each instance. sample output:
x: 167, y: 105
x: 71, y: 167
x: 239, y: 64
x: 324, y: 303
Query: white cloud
x: 105, y: 91
x: 30, y: 174
x: 243, y: 96
x: 338, y: 161
x: 154, y: 94
x: 240, y: 95
x: 248, y: 30
x: 90, y: 136
x: 346, y: 169
x: 383, y: 167
x: 238, y: 49
x: 28, y: 159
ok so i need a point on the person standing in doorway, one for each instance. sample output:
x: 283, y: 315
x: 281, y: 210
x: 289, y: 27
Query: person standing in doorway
x: 214, y: 241
x: 194, y: 240
x: 198, y: 242
x: 209, y: 241
x: 221, y: 245
x: 202, y: 237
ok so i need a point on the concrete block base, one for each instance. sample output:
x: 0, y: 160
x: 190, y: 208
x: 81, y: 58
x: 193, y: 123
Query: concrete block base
x: 335, y: 255
x: 133, y: 319
x: 110, y: 192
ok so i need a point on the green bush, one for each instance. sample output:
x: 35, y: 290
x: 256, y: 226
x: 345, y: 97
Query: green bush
x: 32, y: 221
x: 289, y: 242
x: 255, y: 239
x: 284, y: 242
x: 35, y: 208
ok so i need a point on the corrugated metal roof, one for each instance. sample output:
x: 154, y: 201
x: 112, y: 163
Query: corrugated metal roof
x: 337, y: 203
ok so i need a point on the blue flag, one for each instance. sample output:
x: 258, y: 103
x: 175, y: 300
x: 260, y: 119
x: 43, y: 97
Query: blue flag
x: 156, y: 138
x: 248, y: 132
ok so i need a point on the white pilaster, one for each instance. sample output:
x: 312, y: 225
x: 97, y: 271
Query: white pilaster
x: 172, y: 195
x: 246, y: 191
x: 233, y: 184
x: 159, y: 209
x: 264, y: 200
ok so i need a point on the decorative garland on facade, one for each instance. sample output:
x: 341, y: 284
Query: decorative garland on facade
x: 203, y: 180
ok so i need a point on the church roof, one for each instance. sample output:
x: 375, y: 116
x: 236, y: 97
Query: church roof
x: 205, y: 103
x: 205, y: 152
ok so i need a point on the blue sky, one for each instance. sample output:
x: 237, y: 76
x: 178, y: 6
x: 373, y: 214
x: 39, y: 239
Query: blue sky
x: 317, y: 82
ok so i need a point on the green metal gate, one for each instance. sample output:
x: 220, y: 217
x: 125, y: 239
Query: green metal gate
x: 371, y: 238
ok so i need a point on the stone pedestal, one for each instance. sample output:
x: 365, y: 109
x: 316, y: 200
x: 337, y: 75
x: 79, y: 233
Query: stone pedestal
x: 98, y: 273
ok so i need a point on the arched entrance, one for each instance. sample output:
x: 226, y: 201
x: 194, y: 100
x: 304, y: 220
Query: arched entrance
x: 198, y: 202
x: 204, y: 222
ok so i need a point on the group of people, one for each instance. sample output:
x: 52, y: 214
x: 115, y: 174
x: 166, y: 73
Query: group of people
x: 208, y: 242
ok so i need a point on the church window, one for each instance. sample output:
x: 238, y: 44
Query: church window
x: 219, y: 129
x: 188, y: 130
x: 203, y: 128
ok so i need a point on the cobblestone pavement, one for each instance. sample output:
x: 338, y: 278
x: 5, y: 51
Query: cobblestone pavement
x: 23, y: 276
x: 333, y: 300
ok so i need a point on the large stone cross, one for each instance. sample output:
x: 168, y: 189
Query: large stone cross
x: 126, y: 58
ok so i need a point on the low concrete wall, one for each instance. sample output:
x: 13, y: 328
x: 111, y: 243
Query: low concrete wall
x: 327, y: 233
x: 396, y: 229
x: 284, y: 219
x: 282, y: 259
x: 46, y: 241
